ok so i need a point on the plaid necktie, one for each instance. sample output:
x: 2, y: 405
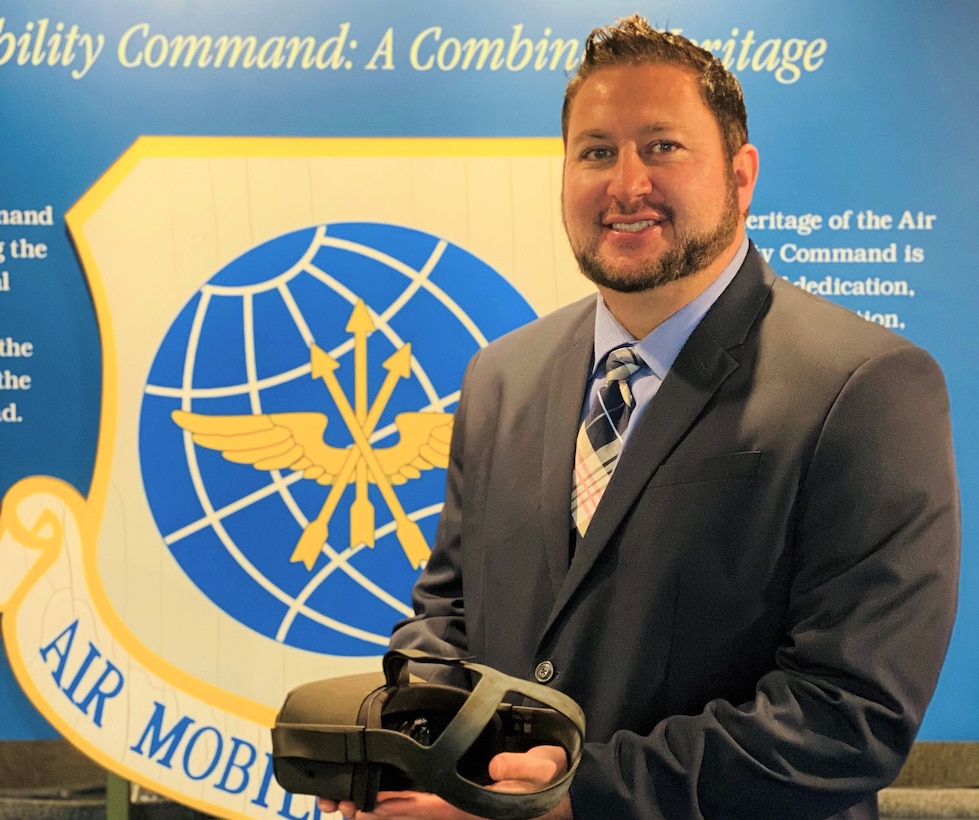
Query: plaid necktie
x: 600, y: 436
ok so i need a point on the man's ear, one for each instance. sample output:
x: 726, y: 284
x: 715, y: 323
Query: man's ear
x: 745, y: 167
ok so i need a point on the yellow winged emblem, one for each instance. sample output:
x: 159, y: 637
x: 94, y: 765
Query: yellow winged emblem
x: 294, y: 441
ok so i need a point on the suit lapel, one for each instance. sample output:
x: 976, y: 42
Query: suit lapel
x: 701, y: 367
x: 565, y: 391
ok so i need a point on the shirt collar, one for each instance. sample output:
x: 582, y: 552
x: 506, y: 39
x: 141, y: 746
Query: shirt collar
x: 662, y: 345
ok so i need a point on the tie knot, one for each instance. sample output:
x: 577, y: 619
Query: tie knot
x: 621, y: 364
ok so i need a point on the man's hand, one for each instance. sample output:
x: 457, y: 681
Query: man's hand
x: 511, y: 772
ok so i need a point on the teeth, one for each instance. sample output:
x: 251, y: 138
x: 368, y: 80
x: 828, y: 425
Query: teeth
x: 633, y: 226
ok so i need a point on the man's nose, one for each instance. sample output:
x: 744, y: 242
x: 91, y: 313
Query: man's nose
x: 630, y: 177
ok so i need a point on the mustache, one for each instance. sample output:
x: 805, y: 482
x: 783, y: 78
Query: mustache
x: 661, y: 210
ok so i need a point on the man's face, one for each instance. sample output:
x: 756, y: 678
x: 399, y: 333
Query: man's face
x: 649, y: 196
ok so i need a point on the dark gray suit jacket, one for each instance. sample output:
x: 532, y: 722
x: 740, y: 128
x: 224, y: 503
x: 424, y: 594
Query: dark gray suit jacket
x: 757, y: 616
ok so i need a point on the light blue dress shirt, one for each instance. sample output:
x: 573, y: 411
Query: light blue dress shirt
x: 658, y: 349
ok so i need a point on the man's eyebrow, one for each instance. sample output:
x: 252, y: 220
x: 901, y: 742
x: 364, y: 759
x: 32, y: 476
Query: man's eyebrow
x: 598, y: 134
x: 589, y: 135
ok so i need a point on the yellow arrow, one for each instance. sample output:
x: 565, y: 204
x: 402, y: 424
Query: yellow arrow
x: 362, y: 528
x: 398, y: 365
x: 409, y: 533
x: 314, y: 535
x: 362, y: 510
x: 360, y: 325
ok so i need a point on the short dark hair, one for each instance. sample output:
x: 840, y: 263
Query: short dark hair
x: 633, y: 42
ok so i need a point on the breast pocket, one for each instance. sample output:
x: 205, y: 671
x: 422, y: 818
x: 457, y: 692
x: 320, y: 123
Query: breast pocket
x: 730, y: 465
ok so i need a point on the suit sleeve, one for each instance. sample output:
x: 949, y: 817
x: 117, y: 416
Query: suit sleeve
x: 439, y: 625
x: 875, y: 547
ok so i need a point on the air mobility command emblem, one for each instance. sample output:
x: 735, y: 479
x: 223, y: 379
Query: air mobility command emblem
x: 297, y: 418
x: 282, y: 356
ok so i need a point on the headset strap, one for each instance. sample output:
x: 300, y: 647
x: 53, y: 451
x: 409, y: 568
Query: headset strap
x: 466, y: 726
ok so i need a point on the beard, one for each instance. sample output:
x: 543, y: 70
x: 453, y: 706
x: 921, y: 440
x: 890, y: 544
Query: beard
x: 693, y: 252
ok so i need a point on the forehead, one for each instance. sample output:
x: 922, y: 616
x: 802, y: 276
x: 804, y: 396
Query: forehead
x: 660, y: 91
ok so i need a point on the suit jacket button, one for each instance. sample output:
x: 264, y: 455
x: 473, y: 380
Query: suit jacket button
x: 544, y: 671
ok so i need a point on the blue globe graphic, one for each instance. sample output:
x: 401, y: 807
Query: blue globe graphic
x: 241, y: 347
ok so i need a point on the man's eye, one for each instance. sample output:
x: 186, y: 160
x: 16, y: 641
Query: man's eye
x: 663, y: 147
x: 597, y: 153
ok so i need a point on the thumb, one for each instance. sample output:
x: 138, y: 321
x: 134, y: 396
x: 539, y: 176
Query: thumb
x: 537, y: 768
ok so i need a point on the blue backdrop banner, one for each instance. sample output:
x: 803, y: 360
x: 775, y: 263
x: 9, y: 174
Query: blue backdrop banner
x: 235, y: 240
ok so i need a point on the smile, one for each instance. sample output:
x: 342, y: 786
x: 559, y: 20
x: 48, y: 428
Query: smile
x: 633, y: 227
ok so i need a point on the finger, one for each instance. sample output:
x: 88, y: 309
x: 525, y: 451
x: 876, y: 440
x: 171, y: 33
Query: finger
x: 414, y: 806
x: 346, y: 808
x: 539, y: 766
x: 535, y: 770
x: 555, y: 754
x: 349, y: 809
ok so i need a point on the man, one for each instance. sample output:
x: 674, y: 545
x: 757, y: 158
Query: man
x: 754, y: 614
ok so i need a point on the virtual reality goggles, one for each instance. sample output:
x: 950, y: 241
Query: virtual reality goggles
x: 348, y: 738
